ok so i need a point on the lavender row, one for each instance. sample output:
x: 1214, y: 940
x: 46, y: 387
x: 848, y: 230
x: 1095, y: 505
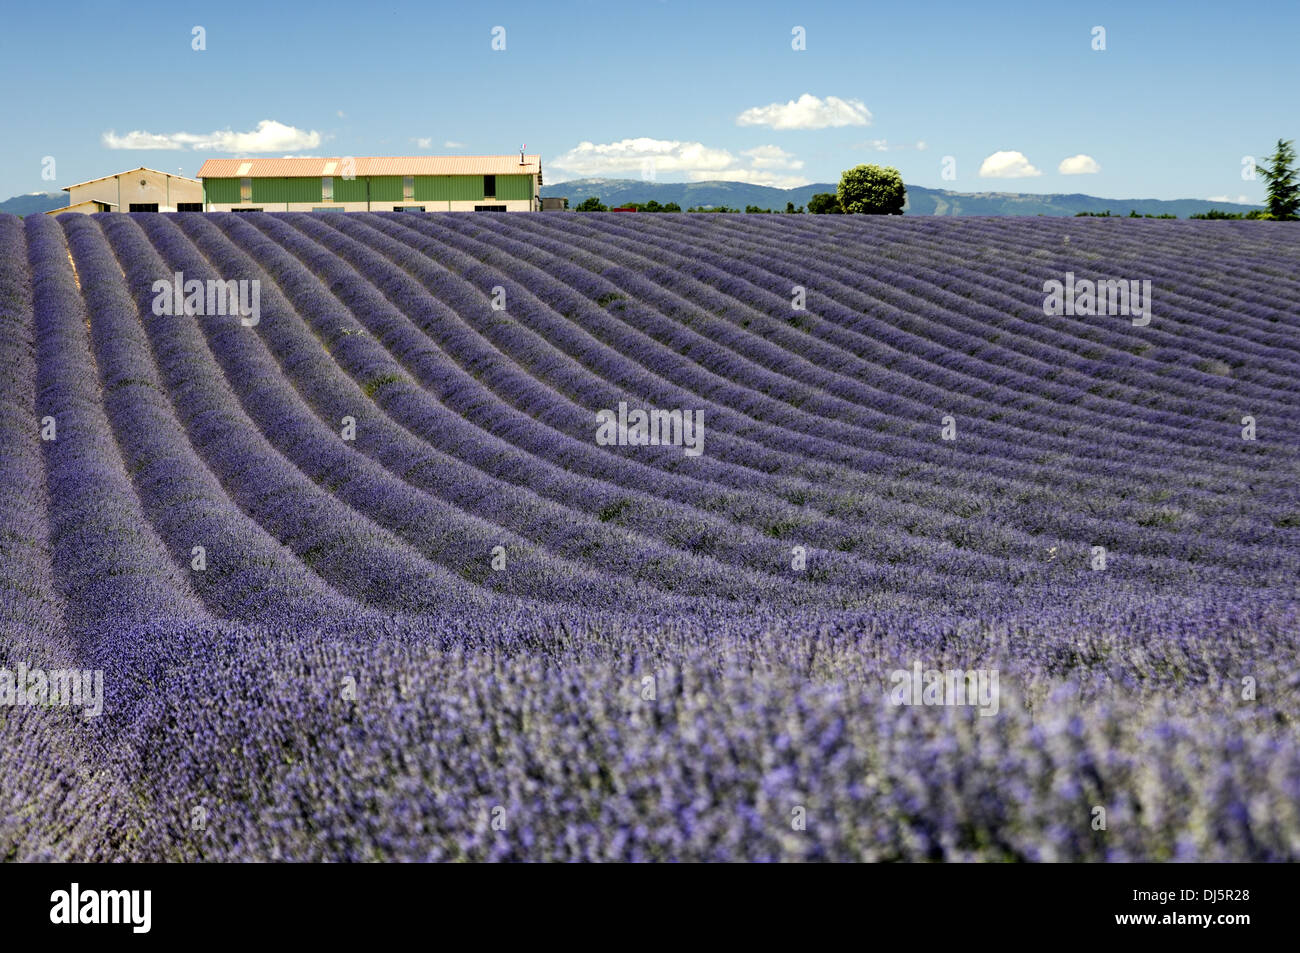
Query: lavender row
x: 241, y: 572
x: 30, y: 613
x: 301, y: 358
x: 1125, y: 534
x: 829, y: 571
x: 1254, y: 454
x: 1211, y: 338
x: 679, y: 338
x: 943, y: 338
x: 964, y: 562
x: 550, y: 469
x: 110, y: 567
x: 576, y: 533
x: 354, y: 555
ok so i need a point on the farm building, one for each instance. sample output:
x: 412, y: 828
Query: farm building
x: 137, y: 190
x: 88, y: 207
x: 508, y: 183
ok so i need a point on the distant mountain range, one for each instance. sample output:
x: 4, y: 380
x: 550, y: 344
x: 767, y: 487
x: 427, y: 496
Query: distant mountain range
x: 920, y: 201
x: 33, y: 203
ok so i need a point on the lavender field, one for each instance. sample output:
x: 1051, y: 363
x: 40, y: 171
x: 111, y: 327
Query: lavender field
x: 363, y: 584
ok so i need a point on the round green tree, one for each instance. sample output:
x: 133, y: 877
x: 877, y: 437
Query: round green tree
x: 872, y: 190
x: 824, y: 203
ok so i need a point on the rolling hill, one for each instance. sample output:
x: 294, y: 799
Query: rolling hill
x: 33, y: 203
x: 406, y: 551
x: 921, y: 201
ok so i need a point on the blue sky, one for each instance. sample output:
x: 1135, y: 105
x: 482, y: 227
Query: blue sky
x: 676, y: 91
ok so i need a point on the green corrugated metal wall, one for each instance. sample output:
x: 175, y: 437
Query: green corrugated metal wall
x: 287, y: 190
x: 466, y: 188
x: 349, y: 190
x: 386, y: 188
x: 514, y: 186
x: 220, y: 190
x: 432, y: 188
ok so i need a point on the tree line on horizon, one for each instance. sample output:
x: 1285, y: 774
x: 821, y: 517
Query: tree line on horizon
x: 879, y: 190
x: 864, y: 189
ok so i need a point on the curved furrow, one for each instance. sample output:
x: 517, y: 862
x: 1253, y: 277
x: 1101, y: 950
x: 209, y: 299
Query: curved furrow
x: 31, y: 614
x: 769, y: 291
x: 1182, y: 345
x: 1133, y: 538
x: 679, y: 337
x: 1242, y: 530
x: 1269, y: 340
x: 461, y: 543
x: 386, y: 318
x: 957, y: 273
x: 1189, y: 285
x: 1251, y: 451
x: 398, y: 438
x: 353, y: 554
x: 1124, y: 535
x: 571, y: 393
x: 1263, y: 289
x: 832, y: 566
x: 238, y: 569
x: 111, y: 568
x: 303, y: 359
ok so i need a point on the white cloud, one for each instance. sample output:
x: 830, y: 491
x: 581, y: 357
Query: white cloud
x: 808, y: 112
x: 644, y: 157
x: 425, y: 143
x: 1240, y: 199
x: 342, y: 115
x: 884, y: 145
x: 772, y: 157
x: 450, y: 144
x: 753, y: 177
x: 1007, y: 165
x: 142, y: 140
x: 270, y: 136
x: 1079, y: 165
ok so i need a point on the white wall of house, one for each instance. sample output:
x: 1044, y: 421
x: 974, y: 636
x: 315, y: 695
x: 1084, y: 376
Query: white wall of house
x: 143, y: 186
x: 512, y: 205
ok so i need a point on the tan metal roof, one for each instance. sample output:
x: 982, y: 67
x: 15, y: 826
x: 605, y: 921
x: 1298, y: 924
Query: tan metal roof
x: 371, y: 165
x: 143, y: 168
x: 76, y: 205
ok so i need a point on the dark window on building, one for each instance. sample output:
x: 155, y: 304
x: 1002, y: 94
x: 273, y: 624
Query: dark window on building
x: 489, y: 186
x: 408, y: 208
x: 489, y: 208
x: 245, y: 210
x: 143, y: 207
x: 189, y: 206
